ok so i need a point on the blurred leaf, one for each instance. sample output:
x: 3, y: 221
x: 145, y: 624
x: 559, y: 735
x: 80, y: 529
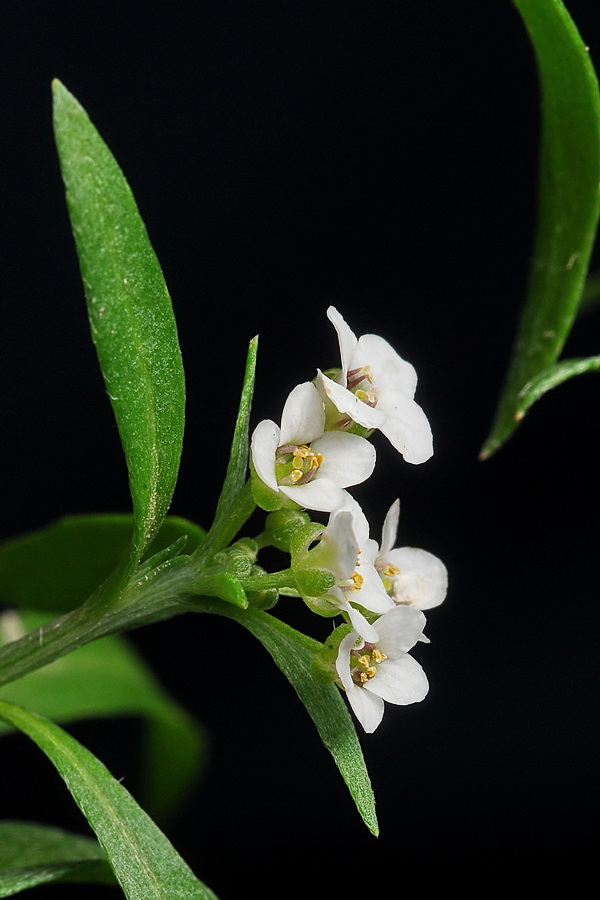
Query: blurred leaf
x: 107, y: 678
x: 32, y: 854
x: 131, y: 317
x: 58, y: 567
x: 569, y: 204
x: 293, y: 652
x: 146, y: 865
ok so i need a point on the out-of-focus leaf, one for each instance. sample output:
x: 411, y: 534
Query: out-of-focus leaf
x: 107, y: 678
x: 58, y: 567
x: 569, y: 204
x: 131, y: 317
x: 145, y: 863
x: 292, y: 652
x: 32, y: 854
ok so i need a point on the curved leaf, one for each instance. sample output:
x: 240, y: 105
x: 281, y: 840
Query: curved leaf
x: 569, y: 203
x: 145, y: 863
x: 32, y: 854
x: 131, y: 318
x: 552, y: 377
x: 293, y: 652
x: 107, y: 678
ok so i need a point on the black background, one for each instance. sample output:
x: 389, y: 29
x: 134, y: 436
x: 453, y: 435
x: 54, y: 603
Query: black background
x: 285, y: 156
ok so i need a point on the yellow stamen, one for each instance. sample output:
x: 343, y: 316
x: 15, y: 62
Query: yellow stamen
x: 390, y: 570
x: 358, y: 582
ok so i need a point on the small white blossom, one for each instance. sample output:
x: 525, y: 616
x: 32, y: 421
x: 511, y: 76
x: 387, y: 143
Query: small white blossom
x: 345, y: 549
x: 382, y: 670
x: 375, y: 388
x: 304, y: 463
x: 413, y: 577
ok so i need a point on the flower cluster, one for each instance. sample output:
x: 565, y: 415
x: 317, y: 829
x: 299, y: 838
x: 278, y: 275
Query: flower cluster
x: 320, y: 449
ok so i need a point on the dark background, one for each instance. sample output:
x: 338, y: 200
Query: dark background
x: 285, y: 156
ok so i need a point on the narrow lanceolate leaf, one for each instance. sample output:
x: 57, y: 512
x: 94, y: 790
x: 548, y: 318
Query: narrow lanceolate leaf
x: 130, y: 313
x: 555, y: 375
x: 108, y: 678
x: 145, y: 863
x: 32, y: 854
x: 293, y: 652
x: 235, y: 502
x: 569, y: 204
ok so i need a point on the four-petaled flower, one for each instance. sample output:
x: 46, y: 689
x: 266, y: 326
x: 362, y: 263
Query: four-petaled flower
x: 375, y: 388
x: 374, y: 672
x: 412, y: 577
x: 304, y: 463
x: 345, y: 549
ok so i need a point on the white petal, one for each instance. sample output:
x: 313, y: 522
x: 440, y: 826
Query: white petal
x: 390, y: 371
x: 367, y: 631
x: 303, y: 416
x: 321, y: 494
x: 390, y: 528
x: 346, y: 338
x: 367, y: 708
x: 372, y: 594
x: 347, y: 458
x: 407, y: 429
x: 338, y: 547
x: 399, y: 681
x: 264, y: 443
x: 423, y: 578
x: 349, y: 404
x: 399, y: 629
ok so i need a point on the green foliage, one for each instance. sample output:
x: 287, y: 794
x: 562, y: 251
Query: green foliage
x: 145, y: 864
x: 58, y: 567
x: 32, y: 854
x: 130, y: 314
x: 569, y: 206
x: 293, y: 653
x: 108, y: 678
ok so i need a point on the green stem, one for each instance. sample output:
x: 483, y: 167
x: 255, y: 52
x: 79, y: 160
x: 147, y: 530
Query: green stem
x: 278, y: 580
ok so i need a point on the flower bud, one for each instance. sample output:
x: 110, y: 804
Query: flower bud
x: 281, y: 526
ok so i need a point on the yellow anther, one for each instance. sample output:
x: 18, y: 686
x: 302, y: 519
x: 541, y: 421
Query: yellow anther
x: 357, y: 581
x: 390, y: 570
x: 363, y: 660
x: 377, y: 656
x: 370, y: 673
x: 295, y: 475
x: 302, y: 452
x: 315, y: 460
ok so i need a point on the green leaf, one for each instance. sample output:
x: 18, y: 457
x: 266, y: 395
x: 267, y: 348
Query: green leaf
x: 293, y: 652
x: 58, y: 567
x: 145, y: 863
x: 569, y: 204
x: 130, y: 314
x: 235, y: 502
x: 108, y: 678
x: 32, y: 854
x: 554, y: 376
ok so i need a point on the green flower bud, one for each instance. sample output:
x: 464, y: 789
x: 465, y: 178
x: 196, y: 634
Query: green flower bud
x: 314, y: 582
x: 280, y: 526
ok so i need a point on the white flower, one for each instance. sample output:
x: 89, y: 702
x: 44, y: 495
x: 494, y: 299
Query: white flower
x: 346, y: 550
x: 413, y: 577
x: 375, y: 388
x: 374, y: 672
x: 302, y: 462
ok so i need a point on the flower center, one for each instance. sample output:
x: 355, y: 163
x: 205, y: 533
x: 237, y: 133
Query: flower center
x: 388, y: 573
x: 296, y: 464
x: 361, y: 383
x: 367, y: 661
